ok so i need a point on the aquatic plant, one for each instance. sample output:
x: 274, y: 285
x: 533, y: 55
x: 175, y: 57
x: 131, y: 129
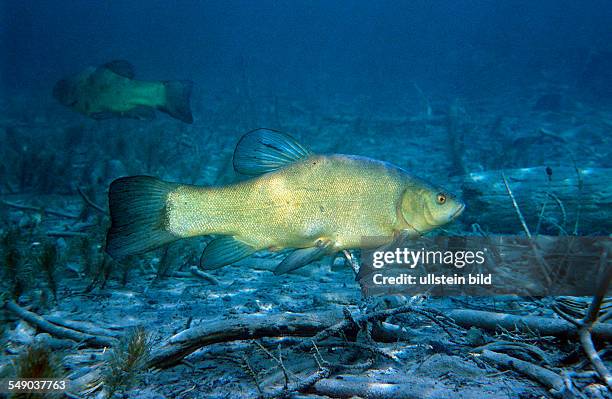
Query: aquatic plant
x: 48, y: 263
x: 37, y: 361
x: 165, y: 264
x: 101, y: 273
x: 97, y: 266
x: 16, y: 273
x: 127, y: 361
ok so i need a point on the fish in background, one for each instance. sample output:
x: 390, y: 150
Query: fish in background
x: 110, y: 91
x: 317, y: 204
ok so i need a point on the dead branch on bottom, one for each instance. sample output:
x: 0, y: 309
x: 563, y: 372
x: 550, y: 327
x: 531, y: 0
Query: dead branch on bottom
x: 96, y: 341
x: 347, y: 386
x: 247, y: 327
x: 40, y: 210
x: 549, y: 379
x: 586, y: 325
x: 299, y: 386
x: 204, y: 276
x: 544, y: 326
x: 320, y: 327
x: 89, y: 202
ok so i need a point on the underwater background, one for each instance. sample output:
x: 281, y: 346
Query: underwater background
x: 479, y: 97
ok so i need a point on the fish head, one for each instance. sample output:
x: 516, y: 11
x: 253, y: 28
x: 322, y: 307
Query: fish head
x: 426, y: 207
x: 64, y: 91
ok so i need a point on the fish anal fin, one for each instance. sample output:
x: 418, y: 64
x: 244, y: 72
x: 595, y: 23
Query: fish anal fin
x: 264, y: 150
x: 303, y: 256
x: 223, y: 251
x: 121, y: 67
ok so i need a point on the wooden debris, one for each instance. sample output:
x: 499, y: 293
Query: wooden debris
x: 39, y: 322
x: 530, y: 324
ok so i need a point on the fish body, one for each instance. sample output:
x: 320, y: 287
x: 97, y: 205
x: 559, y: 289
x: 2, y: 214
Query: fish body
x: 111, y: 91
x: 317, y: 204
x: 337, y: 197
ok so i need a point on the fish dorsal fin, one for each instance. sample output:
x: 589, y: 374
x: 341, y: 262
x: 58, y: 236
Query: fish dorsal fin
x: 265, y: 150
x: 121, y: 67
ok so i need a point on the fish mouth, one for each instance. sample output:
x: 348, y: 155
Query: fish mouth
x: 458, y: 212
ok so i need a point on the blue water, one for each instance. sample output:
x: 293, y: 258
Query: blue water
x: 460, y: 93
x: 349, y: 48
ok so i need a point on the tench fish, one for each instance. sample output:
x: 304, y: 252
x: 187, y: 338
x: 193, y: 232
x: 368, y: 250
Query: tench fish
x: 111, y: 91
x: 316, y: 204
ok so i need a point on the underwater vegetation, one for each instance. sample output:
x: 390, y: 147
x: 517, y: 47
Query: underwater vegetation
x: 214, y: 249
x: 37, y: 361
x: 127, y: 361
x: 242, y: 330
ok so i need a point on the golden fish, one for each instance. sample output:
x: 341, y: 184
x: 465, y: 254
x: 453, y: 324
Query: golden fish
x: 111, y: 91
x: 317, y: 204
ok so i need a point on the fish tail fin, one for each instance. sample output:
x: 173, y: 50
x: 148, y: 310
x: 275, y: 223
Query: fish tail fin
x: 139, y: 217
x: 176, y: 104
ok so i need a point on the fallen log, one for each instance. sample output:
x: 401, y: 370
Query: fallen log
x: 537, y: 324
x: 83, y: 326
x: 348, y: 386
x: 549, y: 379
x: 568, y: 197
x: 247, y: 327
x: 39, y: 322
x: 40, y: 210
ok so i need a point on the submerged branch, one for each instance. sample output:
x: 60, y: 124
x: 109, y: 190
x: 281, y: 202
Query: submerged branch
x: 530, y: 324
x: 96, y: 341
x: 37, y: 209
x: 89, y: 202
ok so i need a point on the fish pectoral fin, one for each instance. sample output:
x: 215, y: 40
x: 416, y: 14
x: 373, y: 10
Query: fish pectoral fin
x: 264, y: 150
x: 140, y: 112
x: 302, y: 257
x: 223, y: 251
x: 120, y: 67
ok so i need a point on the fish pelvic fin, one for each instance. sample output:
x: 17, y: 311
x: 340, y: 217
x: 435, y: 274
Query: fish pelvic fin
x: 265, y: 150
x: 223, y: 251
x: 139, y: 217
x: 302, y: 257
x: 177, y: 102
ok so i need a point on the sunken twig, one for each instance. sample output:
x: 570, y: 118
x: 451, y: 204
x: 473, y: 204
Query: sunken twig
x: 204, y: 276
x: 548, y: 378
x: 516, y: 207
x: 96, y: 341
x: 249, y: 327
x: 37, y: 209
x: 89, y: 202
x: 587, y: 324
x: 298, y: 386
x: 544, y: 326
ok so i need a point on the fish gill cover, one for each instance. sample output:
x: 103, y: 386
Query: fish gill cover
x: 231, y: 199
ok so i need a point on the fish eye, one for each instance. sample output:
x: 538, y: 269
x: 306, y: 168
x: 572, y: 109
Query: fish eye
x: 441, y: 198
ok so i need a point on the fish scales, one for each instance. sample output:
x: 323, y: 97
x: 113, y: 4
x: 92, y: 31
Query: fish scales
x: 343, y: 198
